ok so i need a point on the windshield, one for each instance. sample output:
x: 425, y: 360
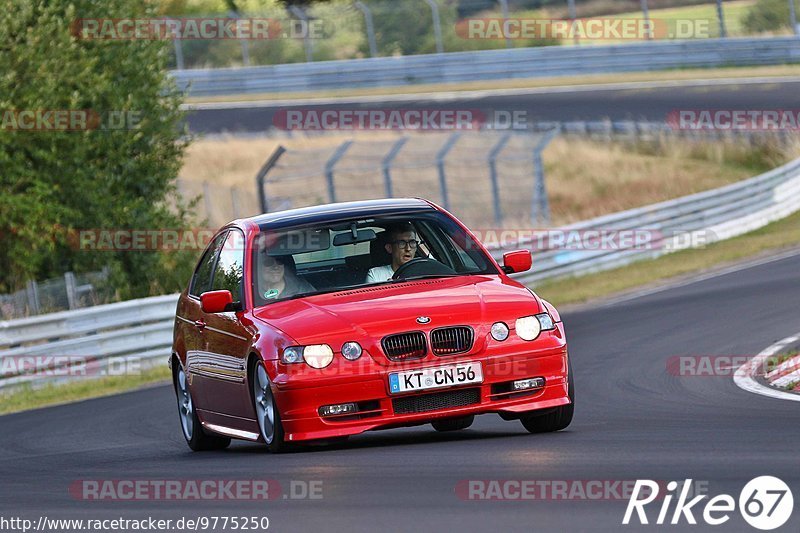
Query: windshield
x: 355, y: 253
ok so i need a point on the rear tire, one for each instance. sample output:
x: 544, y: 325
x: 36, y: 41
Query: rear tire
x: 197, y: 439
x: 557, y: 419
x: 453, y: 424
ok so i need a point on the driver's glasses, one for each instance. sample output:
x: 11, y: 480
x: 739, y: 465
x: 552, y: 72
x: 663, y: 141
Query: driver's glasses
x: 412, y: 244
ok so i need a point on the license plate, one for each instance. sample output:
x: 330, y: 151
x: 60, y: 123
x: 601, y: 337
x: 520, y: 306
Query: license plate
x: 435, y: 377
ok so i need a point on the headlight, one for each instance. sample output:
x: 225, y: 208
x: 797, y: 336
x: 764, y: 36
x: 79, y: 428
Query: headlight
x: 529, y: 327
x: 351, y: 350
x: 499, y: 331
x: 318, y: 355
x: 292, y: 354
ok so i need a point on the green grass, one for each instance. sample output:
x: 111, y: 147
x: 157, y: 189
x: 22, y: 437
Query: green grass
x: 26, y: 397
x: 733, y: 14
x: 778, y: 235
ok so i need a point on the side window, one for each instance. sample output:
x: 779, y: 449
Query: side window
x: 229, y: 272
x: 201, y: 281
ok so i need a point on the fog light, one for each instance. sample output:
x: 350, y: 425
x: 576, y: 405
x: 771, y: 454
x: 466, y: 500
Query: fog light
x: 525, y: 384
x: 351, y: 350
x: 499, y: 331
x: 338, y: 409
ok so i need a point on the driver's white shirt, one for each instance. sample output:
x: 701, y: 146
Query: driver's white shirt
x: 379, y: 274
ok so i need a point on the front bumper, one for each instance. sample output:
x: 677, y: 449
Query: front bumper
x: 299, y: 405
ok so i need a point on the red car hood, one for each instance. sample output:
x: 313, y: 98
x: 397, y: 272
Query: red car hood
x: 366, y: 315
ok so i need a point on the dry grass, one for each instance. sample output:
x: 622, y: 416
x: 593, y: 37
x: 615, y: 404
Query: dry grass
x: 585, y: 178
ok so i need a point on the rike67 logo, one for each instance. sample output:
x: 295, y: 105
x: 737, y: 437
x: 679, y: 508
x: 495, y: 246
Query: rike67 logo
x: 765, y: 503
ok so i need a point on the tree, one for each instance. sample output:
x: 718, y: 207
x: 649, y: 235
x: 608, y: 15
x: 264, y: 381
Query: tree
x: 55, y: 182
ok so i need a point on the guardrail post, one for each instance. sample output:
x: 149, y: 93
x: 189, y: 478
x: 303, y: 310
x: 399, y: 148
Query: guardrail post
x: 540, y: 208
x: 176, y: 42
x: 437, y: 25
x: 387, y: 163
x: 504, y: 7
x: 793, y: 18
x: 440, y: 157
x: 329, y: 166
x: 299, y: 13
x: 34, y: 306
x: 373, y: 46
x: 496, y: 149
x: 69, y: 288
x: 723, y: 32
x: 262, y: 174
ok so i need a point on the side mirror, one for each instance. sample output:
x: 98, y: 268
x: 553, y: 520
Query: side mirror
x: 517, y: 261
x: 216, y: 301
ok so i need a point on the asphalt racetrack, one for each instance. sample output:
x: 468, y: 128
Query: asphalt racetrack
x: 646, y: 104
x: 634, y: 419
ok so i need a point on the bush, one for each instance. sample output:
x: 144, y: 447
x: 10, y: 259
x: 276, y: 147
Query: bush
x: 768, y: 15
x: 55, y: 182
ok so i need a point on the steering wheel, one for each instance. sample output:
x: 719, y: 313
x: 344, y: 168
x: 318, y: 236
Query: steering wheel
x: 422, y: 266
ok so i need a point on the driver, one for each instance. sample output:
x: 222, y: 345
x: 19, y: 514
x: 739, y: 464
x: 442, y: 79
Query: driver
x: 402, y: 246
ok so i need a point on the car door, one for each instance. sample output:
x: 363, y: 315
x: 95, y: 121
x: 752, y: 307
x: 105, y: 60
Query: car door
x: 189, y: 317
x: 227, y: 341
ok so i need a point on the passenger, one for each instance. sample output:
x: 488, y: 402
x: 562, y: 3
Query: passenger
x: 401, y: 246
x: 277, y: 278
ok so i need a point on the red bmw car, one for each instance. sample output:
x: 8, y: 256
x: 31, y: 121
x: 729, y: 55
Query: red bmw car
x: 324, y: 322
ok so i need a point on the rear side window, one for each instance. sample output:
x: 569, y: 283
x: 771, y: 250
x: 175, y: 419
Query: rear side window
x: 201, y: 281
x: 229, y: 270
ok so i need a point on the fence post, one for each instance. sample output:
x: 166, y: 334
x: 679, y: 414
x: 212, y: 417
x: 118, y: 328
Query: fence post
x: 504, y: 8
x: 329, y: 166
x: 235, y: 202
x: 437, y: 25
x: 387, y: 163
x: 262, y: 174
x: 646, y: 16
x: 498, y: 212
x: 723, y: 32
x: 373, y: 46
x: 540, y: 208
x: 440, y: 157
x: 573, y: 14
x: 34, y: 306
x: 242, y: 42
x: 69, y: 287
x: 299, y: 13
x: 207, y: 199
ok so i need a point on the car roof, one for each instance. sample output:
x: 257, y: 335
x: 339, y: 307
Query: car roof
x: 338, y: 211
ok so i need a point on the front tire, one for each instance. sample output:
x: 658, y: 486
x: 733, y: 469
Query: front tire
x: 267, y: 413
x: 453, y: 424
x: 557, y: 419
x: 193, y: 431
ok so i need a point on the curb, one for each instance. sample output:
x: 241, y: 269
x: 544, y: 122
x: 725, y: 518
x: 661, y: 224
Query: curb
x: 751, y: 377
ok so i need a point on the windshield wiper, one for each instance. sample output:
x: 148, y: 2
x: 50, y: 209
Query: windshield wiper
x: 427, y: 276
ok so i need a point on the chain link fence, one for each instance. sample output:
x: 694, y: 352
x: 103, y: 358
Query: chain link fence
x: 71, y: 291
x: 350, y: 29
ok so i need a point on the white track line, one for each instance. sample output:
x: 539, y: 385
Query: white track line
x: 484, y: 93
x: 744, y: 376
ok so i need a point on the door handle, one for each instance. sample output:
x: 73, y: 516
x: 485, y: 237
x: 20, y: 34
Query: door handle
x: 199, y: 324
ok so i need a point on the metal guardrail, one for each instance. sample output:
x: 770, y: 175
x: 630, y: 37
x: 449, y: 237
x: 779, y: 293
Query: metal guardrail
x: 104, y: 340
x: 141, y: 330
x: 700, y: 218
x: 484, y: 65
